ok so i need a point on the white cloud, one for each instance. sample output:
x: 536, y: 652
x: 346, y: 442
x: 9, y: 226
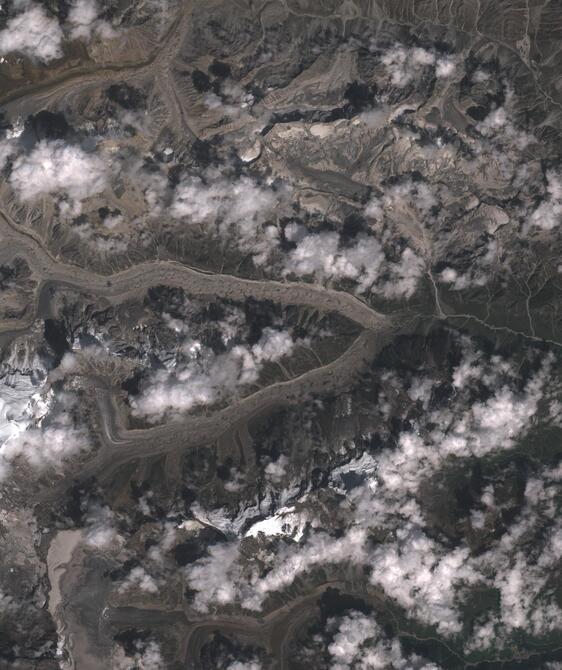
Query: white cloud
x: 47, y: 447
x: 219, y: 577
x: 82, y: 15
x: 445, y: 67
x: 102, y: 243
x: 477, y: 430
x: 216, y: 576
x: 54, y: 168
x: 347, y: 646
x: 403, y: 276
x: 525, y: 603
x: 233, y: 99
x: 548, y: 214
x: 102, y: 537
x: 484, y: 635
x: 237, y: 209
x: 374, y: 118
x: 404, y: 64
x: 499, y: 127
x: 363, y: 262
x: 426, y: 578
x: 273, y: 345
x: 421, y: 389
x: 422, y: 578
x: 206, y: 378
x: 151, y: 657
x: 477, y: 275
x: 147, y: 656
x: 158, y: 552
x: 84, y: 21
x: 100, y: 532
x: 321, y: 254
x: 415, y: 570
x: 139, y: 578
x: 495, y: 120
x: 242, y: 211
x: 294, y: 560
x: 480, y: 76
x: 403, y: 201
x: 245, y: 665
x: 374, y: 209
x: 275, y: 470
x: 34, y: 34
x: 360, y: 643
